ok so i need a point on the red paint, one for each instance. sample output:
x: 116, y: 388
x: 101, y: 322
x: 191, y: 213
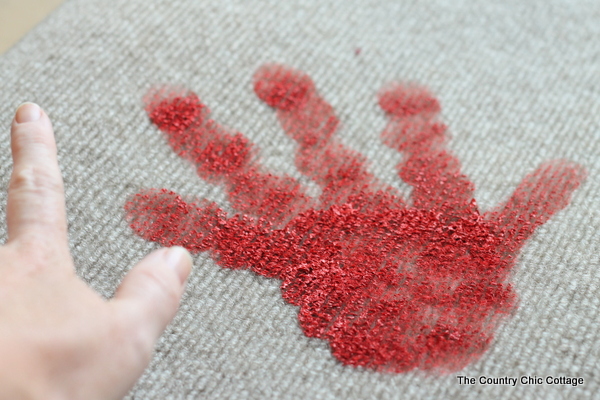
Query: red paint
x: 391, y: 286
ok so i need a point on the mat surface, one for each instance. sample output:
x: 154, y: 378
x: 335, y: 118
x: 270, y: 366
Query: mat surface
x: 518, y: 84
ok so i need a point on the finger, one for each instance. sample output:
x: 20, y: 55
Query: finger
x: 36, y: 203
x: 428, y: 166
x: 540, y: 195
x: 165, y: 217
x: 224, y: 156
x: 311, y: 121
x: 149, y: 296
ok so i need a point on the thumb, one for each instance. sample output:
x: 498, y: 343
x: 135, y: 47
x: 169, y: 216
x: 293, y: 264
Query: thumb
x: 149, y: 295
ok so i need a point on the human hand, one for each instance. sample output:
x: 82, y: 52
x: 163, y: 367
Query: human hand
x: 58, y: 338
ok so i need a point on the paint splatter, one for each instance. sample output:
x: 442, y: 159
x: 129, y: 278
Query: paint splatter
x: 392, y: 285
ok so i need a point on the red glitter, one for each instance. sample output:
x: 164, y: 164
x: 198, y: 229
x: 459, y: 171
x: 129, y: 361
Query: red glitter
x: 391, y: 286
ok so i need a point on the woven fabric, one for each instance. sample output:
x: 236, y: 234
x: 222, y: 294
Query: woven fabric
x: 518, y: 84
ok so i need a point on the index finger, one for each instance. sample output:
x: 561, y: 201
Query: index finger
x: 36, y: 202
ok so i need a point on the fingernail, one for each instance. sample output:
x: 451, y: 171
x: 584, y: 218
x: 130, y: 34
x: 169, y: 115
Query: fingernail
x: 180, y: 261
x: 28, y: 112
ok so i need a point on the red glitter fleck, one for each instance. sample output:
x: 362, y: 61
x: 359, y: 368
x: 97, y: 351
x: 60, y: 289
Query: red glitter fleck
x: 391, y: 285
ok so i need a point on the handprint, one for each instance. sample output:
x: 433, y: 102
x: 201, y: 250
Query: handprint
x: 391, y: 284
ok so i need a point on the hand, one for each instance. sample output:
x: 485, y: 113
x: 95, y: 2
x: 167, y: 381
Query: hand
x: 58, y: 338
x: 391, y: 283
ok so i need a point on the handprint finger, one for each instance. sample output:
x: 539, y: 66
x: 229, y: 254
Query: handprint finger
x: 162, y: 216
x: 428, y: 166
x: 308, y: 119
x: 540, y: 195
x: 225, y: 157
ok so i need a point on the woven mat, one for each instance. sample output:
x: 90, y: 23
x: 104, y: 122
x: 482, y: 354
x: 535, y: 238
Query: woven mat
x: 519, y: 84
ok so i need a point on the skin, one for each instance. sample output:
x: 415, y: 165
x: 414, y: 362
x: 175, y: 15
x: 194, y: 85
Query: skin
x: 58, y: 338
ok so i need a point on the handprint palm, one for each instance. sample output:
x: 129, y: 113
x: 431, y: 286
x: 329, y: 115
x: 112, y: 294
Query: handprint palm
x: 390, y: 285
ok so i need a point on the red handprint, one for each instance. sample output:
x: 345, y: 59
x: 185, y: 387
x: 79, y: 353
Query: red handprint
x: 391, y: 285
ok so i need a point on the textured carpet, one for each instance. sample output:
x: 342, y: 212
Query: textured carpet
x: 519, y: 84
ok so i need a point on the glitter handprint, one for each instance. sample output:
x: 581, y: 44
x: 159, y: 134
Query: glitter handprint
x: 391, y: 284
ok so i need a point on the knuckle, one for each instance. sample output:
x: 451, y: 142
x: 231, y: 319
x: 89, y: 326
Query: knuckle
x: 22, y: 178
x: 44, y: 246
x: 39, y: 181
x: 37, y: 254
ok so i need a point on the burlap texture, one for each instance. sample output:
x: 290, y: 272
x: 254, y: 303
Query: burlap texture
x: 519, y: 84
